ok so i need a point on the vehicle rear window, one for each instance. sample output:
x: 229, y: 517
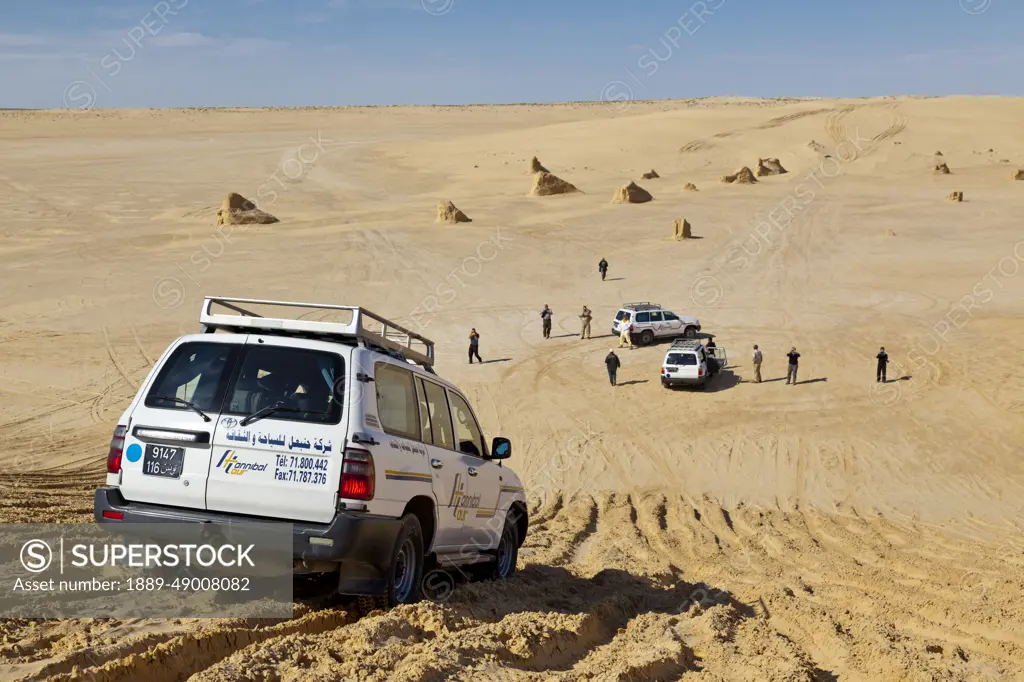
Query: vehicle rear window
x: 619, y: 315
x: 197, y: 372
x: 681, y: 359
x: 299, y: 380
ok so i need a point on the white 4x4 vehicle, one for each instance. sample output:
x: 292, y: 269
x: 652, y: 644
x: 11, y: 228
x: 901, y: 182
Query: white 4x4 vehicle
x: 341, y: 429
x: 687, y: 364
x: 651, y: 321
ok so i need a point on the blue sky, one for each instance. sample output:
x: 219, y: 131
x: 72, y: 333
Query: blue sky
x: 126, y: 53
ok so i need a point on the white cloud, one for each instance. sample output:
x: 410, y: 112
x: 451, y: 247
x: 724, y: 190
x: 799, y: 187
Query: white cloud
x: 24, y: 40
x: 183, y: 39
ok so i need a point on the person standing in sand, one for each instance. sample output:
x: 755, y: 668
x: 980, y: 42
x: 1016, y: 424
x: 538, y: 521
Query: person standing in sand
x: 474, y: 346
x: 585, y: 318
x: 626, y: 334
x: 602, y: 267
x: 545, y: 318
x: 883, y: 362
x: 757, y: 364
x: 794, y: 361
x: 612, y: 362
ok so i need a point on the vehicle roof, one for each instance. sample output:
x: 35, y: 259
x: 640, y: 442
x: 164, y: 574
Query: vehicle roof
x: 641, y: 307
x: 685, y: 345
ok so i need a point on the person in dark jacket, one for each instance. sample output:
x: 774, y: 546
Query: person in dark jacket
x: 612, y: 362
x: 602, y: 267
x: 545, y: 318
x: 794, y: 363
x: 883, y: 361
x: 474, y: 346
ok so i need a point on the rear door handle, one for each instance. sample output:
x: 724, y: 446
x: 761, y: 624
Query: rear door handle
x: 472, y: 471
x: 436, y: 463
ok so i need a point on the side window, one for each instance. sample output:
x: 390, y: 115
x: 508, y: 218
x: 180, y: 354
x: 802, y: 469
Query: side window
x: 656, y: 317
x: 396, y: 400
x: 471, y: 440
x: 440, y: 416
x: 671, y: 317
x: 643, y: 317
x: 421, y: 399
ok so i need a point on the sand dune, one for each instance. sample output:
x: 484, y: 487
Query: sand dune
x: 839, y: 529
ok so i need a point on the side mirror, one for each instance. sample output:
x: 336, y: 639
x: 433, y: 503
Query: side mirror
x: 501, y: 448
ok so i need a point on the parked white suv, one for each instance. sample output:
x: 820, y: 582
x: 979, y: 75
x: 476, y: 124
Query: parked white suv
x: 651, y: 321
x: 687, y: 363
x: 339, y: 428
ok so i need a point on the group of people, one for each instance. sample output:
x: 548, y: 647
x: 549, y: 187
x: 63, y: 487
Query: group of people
x: 626, y: 340
x: 791, y: 368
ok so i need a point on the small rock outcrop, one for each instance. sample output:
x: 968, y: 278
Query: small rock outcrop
x: 449, y: 214
x: 631, y: 194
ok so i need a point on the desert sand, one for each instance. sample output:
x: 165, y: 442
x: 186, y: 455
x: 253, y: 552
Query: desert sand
x: 839, y: 529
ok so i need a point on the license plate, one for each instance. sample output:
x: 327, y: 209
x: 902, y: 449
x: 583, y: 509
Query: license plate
x: 163, y: 461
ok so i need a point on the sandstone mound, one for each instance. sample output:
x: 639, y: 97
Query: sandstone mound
x: 816, y: 146
x: 681, y: 229
x: 546, y: 184
x: 938, y: 153
x: 536, y: 166
x: 448, y: 213
x: 237, y: 210
x: 631, y: 194
x: 650, y: 175
x: 890, y: 233
x: 1017, y: 175
x: 955, y: 196
x: 690, y: 187
x: 769, y: 166
x: 942, y: 169
x: 744, y: 176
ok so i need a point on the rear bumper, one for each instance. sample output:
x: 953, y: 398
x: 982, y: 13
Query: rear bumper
x: 362, y: 543
x: 684, y: 381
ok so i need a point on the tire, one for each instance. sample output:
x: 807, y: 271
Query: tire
x: 505, y: 556
x: 405, y: 572
x: 690, y: 332
x: 646, y: 337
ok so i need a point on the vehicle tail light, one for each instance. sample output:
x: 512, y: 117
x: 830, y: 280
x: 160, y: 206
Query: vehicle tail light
x: 357, y: 475
x: 113, y: 515
x: 664, y: 371
x: 700, y: 372
x: 116, y: 450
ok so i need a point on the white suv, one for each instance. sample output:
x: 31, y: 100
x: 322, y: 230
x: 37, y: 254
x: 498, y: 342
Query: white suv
x: 651, y: 321
x: 341, y: 429
x: 687, y: 364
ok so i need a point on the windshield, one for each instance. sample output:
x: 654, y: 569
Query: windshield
x: 196, y: 373
x: 681, y: 359
x: 301, y: 381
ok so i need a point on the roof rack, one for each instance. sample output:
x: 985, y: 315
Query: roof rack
x: 644, y: 305
x: 385, y: 334
x: 686, y: 343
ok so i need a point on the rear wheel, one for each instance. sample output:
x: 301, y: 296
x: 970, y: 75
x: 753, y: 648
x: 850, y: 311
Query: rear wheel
x: 646, y: 337
x: 405, y: 573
